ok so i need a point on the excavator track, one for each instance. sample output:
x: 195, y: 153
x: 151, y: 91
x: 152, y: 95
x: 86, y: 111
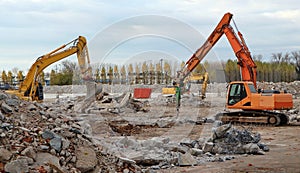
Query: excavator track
x: 254, y: 117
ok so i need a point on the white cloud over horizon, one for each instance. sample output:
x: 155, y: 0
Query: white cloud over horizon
x: 30, y: 28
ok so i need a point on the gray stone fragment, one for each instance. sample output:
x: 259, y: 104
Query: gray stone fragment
x: 29, y: 152
x: 196, y: 151
x: 219, y: 132
x: 65, y: 143
x: 6, y: 126
x: 3, y: 96
x: 207, y: 147
x: 6, y: 108
x: 2, y: 117
x: 31, y: 107
x: 56, y: 143
x: 12, y: 102
x: 251, y: 148
x: 47, y: 134
x: 44, y: 147
x: 52, y: 151
x: 17, y: 166
x: 5, y: 155
x: 264, y: 147
x: 42, y: 159
x: 86, y: 159
x: 186, y: 160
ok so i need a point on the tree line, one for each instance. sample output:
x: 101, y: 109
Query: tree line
x: 281, y: 68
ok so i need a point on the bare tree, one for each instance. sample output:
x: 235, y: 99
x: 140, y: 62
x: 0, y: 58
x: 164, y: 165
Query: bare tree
x: 257, y: 57
x: 286, y: 58
x: 296, y: 58
x: 277, y: 57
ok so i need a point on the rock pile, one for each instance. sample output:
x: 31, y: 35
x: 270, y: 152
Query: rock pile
x: 228, y: 140
x: 41, y: 137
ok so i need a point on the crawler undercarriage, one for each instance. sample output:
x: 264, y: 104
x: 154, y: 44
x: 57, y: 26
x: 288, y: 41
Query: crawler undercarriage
x: 255, y: 117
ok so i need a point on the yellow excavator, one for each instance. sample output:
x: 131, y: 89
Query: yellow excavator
x: 31, y: 89
x: 192, y: 78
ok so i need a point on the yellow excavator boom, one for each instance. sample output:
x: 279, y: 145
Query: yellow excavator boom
x: 30, y: 89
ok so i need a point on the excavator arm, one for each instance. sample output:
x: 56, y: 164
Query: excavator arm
x: 247, y: 65
x: 29, y: 87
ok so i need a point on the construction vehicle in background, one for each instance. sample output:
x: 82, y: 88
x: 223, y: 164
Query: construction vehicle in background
x: 31, y: 89
x: 199, y: 79
x: 256, y: 106
x: 170, y: 91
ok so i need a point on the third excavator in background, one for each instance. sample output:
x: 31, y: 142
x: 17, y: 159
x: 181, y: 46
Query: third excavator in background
x: 253, y: 105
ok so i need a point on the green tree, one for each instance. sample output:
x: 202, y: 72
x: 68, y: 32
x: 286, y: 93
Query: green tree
x: 230, y: 70
x: 53, y: 79
x: 97, y: 75
x: 137, y: 74
x: 10, y: 77
x: 158, y: 69
x: 145, y: 73
x: 130, y: 74
x: 110, y: 75
x: 103, y: 75
x: 20, y: 76
x: 42, y: 78
x: 4, y: 76
x: 116, y: 74
x: 123, y: 74
x: 167, y: 70
x: 152, y: 74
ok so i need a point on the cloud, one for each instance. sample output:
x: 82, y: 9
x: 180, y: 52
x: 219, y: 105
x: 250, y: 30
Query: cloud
x: 35, y: 27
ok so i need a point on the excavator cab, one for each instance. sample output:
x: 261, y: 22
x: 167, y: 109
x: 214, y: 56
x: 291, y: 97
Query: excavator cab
x: 236, y: 92
x: 243, y: 95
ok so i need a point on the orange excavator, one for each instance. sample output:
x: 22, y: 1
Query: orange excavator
x: 254, y: 105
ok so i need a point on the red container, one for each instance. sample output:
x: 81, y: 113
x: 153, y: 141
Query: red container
x: 142, y: 93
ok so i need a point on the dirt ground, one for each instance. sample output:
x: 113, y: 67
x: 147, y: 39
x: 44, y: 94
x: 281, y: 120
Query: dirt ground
x: 284, y: 154
x: 284, y: 143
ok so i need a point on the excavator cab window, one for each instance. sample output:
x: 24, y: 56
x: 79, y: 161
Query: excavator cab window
x: 252, y: 88
x: 237, y: 92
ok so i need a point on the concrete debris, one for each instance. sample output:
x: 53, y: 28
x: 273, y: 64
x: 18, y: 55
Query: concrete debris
x: 229, y: 140
x: 86, y: 159
x: 186, y: 160
x: 75, y: 134
x: 42, y: 137
x: 5, y: 155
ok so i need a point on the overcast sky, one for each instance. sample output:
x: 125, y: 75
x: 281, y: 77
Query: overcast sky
x: 124, y: 31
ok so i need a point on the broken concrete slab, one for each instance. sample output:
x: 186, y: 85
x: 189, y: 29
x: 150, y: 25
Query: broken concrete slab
x: 86, y: 159
x: 186, y: 160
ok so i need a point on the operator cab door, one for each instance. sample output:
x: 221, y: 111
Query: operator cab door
x: 236, y: 93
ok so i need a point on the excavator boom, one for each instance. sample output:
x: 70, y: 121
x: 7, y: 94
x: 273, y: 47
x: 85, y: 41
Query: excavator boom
x: 198, y: 56
x: 29, y: 88
x: 256, y: 106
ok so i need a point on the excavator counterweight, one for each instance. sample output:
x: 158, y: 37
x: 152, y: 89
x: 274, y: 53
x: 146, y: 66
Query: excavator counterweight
x: 257, y: 107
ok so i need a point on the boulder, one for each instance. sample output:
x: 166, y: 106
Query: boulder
x: 186, y: 160
x: 5, y: 155
x: 6, y: 108
x: 17, y: 166
x: 86, y: 159
x: 29, y: 152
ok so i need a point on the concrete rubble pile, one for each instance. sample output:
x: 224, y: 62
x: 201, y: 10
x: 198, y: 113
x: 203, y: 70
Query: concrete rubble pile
x: 161, y: 153
x: 41, y: 137
x: 229, y: 140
